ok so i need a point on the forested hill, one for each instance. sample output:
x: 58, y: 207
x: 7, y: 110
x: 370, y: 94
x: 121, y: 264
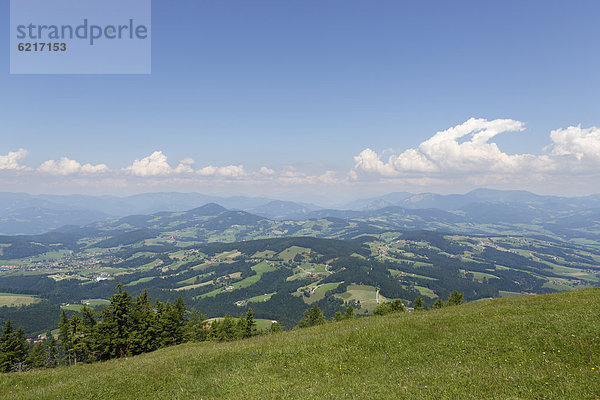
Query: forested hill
x: 280, y: 278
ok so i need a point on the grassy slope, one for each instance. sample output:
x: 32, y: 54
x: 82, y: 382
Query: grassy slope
x: 528, y: 347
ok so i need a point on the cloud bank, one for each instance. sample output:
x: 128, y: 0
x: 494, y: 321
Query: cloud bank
x: 464, y: 156
x: 468, y: 149
x: 65, y: 166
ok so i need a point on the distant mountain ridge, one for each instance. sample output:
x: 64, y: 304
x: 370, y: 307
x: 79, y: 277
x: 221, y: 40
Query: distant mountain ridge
x: 22, y: 213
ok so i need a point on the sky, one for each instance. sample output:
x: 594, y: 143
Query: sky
x: 321, y: 100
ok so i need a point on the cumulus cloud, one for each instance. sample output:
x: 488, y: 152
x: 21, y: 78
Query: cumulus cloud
x: 66, y: 166
x: 156, y: 164
x: 185, y: 166
x: 468, y: 149
x: 292, y: 176
x: 582, y: 144
x: 12, y: 159
x: 230, y: 171
x: 266, y: 171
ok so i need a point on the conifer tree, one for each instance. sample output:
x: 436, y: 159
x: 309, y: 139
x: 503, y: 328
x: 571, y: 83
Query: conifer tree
x: 249, y: 325
x: 51, y: 351
x: 455, y: 298
x: 313, y: 316
x: 349, y: 314
x: 111, y: 335
x: 13, y: 348
x: 276, y: 327
x: 194, y: 330
x: 37, y: 356
x: 418, y: 304
x: 63, y: 336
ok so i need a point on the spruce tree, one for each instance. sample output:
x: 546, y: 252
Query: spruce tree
x: 37, y: 356
x: 313, y: 316
x: 349, y: 314
x: 194, y: 330
x: 249, y: 326
x: 51, y: 351
x: 455, y: 298
x: 418, y: 304
x: 13, y: 348
x: 63, y: 336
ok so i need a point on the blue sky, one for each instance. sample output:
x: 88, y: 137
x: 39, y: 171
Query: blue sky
x: 303, y: 88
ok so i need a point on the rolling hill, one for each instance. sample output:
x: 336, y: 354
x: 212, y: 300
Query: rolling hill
x: 519, y: 348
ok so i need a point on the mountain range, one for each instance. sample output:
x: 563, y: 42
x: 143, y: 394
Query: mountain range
x: 22, y: 213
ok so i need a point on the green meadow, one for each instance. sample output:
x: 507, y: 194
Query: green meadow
x: 531, y: 347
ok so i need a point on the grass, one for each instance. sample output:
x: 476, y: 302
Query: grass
x: 291, y: 252
x: 259, y: 268
x: 141, y: 280
x: 260, y: 322
x: 426, y: 292
x: 365, y: 294
x: 529, y: 347
x: 318, y: 293
x: 90, y: 303
x: 15, y: 300
x: 260, y: 298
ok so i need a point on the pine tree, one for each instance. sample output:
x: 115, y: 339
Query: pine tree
x: 418, y: 304
x: 194, y: 330
x: 438, y: 303
x: 145, y: 333
x: 312, y: 317
x: 249, y: 325
x: 224, y: 330
x: 455, y: 298
x: 349, y: 314
x: 172, y: 322
x: 63, y: 336
x: 37, y: 356
x: 13, y: 348
x: 276, y: 327
x: 111, y: 335
x: 51, y: 351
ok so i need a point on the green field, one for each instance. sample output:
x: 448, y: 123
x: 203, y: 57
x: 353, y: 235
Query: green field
x: 259, y: 268
x: 363, y: 293
x: 318, y: 293
x: 14, y: 300
x: 426, y: 292
x: 260, y: 298
x: 533, y: 347
x: 89, y: 302
x: 291, y: 252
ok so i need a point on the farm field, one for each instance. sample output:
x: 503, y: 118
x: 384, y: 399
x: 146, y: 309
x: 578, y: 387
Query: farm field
x: 14, y: 300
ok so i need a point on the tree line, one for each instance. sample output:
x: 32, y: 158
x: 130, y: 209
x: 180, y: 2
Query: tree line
x: 129, y: 326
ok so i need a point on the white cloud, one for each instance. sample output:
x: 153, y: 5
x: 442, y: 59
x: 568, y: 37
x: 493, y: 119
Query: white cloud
x: 11, y: 160
x: 154, y: 165
x: 66, y: 166
x: 230, y: 171
x: 90, y: 169
x: 266, y: 171
x: 185, y: 166
x: 582, y: 144
x: 468, y: 149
